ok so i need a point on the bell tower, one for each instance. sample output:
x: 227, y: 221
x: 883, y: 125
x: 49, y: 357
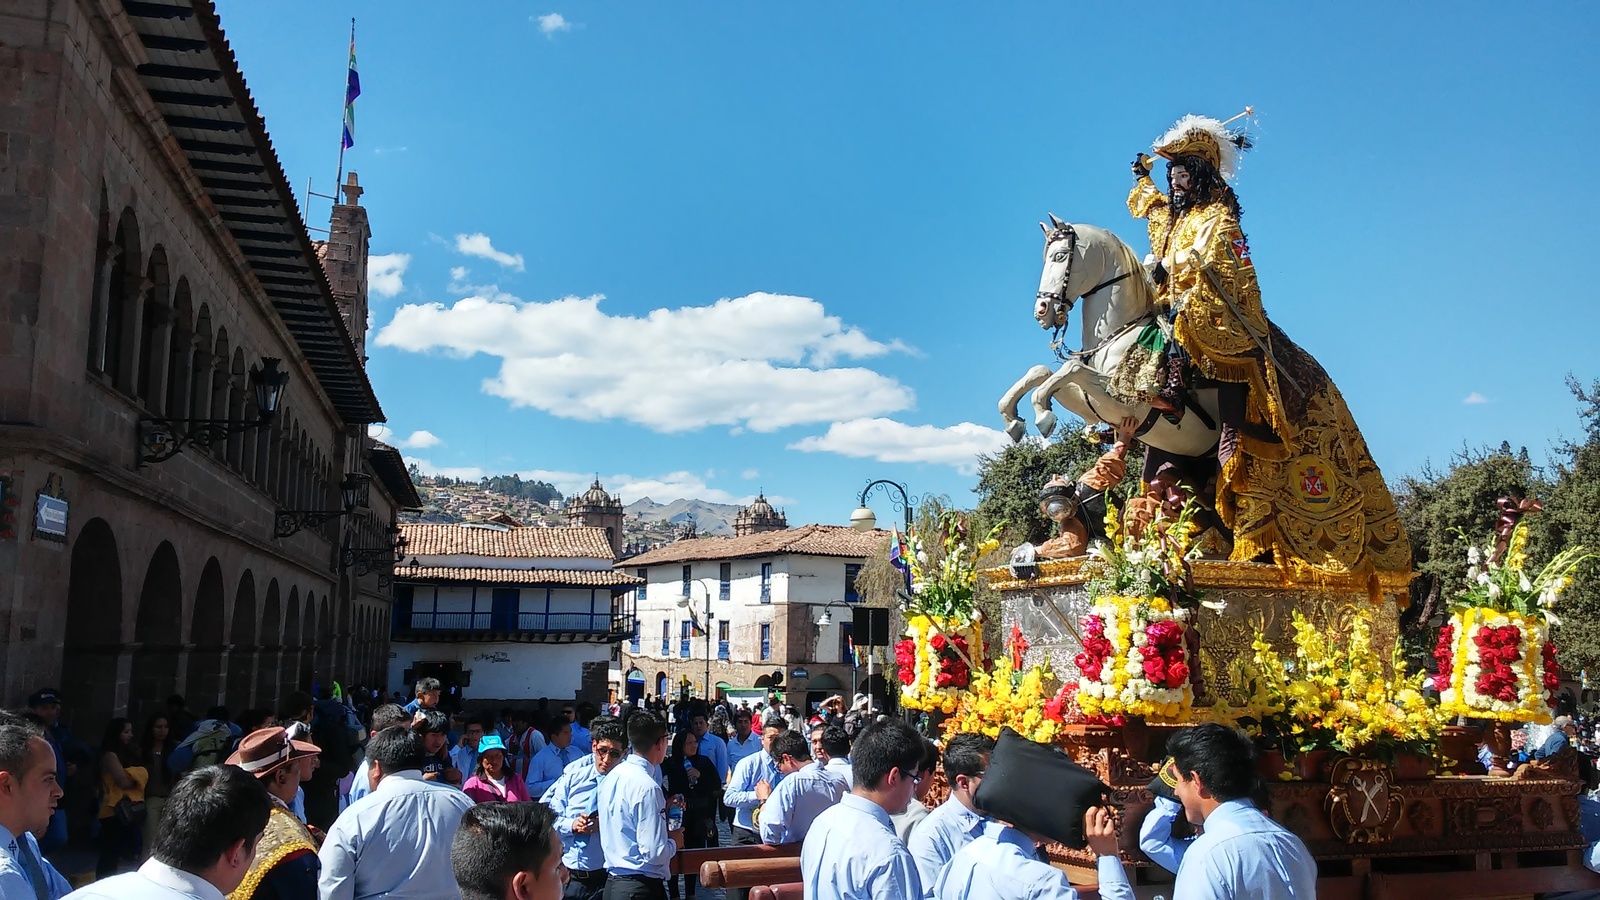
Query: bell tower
x: 344, y: 259
x: 598, y: 509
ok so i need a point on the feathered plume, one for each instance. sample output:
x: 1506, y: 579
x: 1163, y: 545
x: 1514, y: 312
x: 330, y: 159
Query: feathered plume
x: 1229, y: 143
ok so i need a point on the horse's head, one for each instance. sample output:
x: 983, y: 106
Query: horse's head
x: 1054, y: 300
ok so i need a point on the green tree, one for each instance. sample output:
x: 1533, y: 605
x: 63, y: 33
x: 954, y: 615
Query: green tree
x: 1009, y: 481
x: 1572, y: 517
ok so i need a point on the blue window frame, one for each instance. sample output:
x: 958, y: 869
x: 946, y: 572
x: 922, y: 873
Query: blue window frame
x: 766, y: 641
x: 846, y: 634
x: 688, y: 579
x: 685, y: 631
x: 633, y: 645
x: 766, y: 584
x: 851, y: 570
x: 666, y: 637
x: 640, y: 592
x: 724, y: 581
x: 722, y: 639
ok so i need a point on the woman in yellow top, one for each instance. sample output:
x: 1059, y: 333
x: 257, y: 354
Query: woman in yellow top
x: 122, y: 777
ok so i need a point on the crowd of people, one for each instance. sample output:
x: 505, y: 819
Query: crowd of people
x: 354, y: 797
x: 358, y: 796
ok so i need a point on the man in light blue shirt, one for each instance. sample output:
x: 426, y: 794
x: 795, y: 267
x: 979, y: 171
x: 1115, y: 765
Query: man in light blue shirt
x: 29, y: 793
x: 1003, y: 863
x: 1241, y: 853
x: 851, y: 851
x: 549, y: 763
x: 575, y: 799
x: 382, y: 717
x: 394, y: 842
x: 464, y: 755
x: 836, y: 748
x: 711, y: 746
x: 955, y: 822
x: 633, y: 816
x: 805, y: 793
x: 744, y: 742
x: 580, y: 727
x: 742, y: 794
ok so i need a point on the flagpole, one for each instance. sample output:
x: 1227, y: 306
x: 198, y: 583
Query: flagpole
x: 343, y: 106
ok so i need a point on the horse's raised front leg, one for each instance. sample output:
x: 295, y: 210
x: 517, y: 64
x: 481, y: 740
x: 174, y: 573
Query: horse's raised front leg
x: 1015, y: 426
x: 1044, y: 415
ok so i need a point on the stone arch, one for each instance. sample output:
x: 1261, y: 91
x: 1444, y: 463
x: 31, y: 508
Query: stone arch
x: 308, y: 642
x: 200, y: 366
x: 180, y: 348
x: 242, y: 644
x: 155, y: 330
x: 236, y: 395
x: 289, y: 667
x: 94, y: 628
x: 157, y: 624
x: 324, y: 643
x: 221, y: 358
x: 269, y: 640
x: 203, y: 680
x: 119, y: 339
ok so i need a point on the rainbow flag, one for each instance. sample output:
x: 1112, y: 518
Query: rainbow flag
x: 352, y: 90
x: 900, y: 553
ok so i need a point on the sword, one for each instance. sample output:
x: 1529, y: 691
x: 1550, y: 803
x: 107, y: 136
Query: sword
x: 1216, y: 284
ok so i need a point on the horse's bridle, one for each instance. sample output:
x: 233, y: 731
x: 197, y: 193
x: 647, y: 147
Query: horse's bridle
x: 1060, y: 304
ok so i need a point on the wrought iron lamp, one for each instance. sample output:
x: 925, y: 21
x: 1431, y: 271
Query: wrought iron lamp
x: 160, y: 439
x: 352, y: 490
x: 366, y: 560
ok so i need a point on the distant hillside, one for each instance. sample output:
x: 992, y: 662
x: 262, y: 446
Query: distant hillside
x: 709, y: 518
x: 647, y: 523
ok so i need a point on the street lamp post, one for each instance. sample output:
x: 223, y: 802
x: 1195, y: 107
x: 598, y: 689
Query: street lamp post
x: 864, y: 520
x: 684, y: 603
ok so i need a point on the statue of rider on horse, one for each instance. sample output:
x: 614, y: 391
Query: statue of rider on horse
x: 1181, y: 344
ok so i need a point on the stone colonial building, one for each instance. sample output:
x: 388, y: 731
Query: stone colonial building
x: 767, y: 589
x: 161, y: 532
x: 511, y: 613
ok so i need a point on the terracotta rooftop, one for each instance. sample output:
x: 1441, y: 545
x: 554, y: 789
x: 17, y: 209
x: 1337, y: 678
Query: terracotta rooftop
x: 569, y: 577
x: 529, y: 542
x: 815, y: 540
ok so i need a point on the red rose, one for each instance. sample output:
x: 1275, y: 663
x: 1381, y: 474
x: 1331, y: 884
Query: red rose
x: 1177, y: 674
x: 938, y: 641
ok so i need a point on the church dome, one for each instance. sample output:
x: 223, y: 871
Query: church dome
x: 759, y: 517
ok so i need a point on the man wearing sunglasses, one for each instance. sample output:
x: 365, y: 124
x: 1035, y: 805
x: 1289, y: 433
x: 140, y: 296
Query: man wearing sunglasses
x: 574, y: 799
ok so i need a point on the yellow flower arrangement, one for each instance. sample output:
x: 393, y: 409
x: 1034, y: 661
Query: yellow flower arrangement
x: 1335, y: 695
x: 1003, y: 697
x: 933, y: 646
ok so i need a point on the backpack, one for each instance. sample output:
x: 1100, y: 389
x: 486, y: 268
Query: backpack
x: 208, y: 745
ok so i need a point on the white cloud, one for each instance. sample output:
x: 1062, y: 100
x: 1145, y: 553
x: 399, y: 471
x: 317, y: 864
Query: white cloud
x: 748, y: 474
x: 1474, y: 398
x: 762, y: 361
x: 469, y: 473
x: 419, y: 440
x: 889, y: 441
x: 552, y: 23
x: 478, y: 244
x: 385, y: 273
x: 662, y: 488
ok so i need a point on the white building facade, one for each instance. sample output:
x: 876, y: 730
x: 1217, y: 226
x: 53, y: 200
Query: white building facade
x: 747, y: 610
x: 508, y: 613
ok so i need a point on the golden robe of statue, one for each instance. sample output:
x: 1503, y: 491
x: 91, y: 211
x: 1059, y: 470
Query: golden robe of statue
x: 1296, y: 478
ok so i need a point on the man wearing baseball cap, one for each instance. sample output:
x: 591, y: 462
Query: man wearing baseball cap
x: 286, y: 865
x: 46, y: 704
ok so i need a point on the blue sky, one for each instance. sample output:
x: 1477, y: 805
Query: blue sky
x: 813, y: 225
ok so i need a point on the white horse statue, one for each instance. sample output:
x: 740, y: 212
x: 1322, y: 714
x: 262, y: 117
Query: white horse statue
x: 1082, y: 261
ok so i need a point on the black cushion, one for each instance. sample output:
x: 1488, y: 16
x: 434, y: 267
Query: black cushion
x: 1038, y: 788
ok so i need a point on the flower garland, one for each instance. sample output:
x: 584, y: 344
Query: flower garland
x: 1006, y: 697
x: 1135, y: 661
x: 1502, y: 666
x: 1444, y: 656
x: 933, y: 662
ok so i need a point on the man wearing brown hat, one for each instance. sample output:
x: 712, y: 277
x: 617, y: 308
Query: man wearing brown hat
x: 286, y: 865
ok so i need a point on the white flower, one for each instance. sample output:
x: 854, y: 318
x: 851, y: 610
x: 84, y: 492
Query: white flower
x: 1523, y: 583
x: 1472, y: 572
x: 1483, y: 577
x: 1473, y: 557
x: 1494, y: 591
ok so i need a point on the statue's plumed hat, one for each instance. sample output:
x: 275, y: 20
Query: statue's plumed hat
x: 1206, y: 138
x: 1011, y: 789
